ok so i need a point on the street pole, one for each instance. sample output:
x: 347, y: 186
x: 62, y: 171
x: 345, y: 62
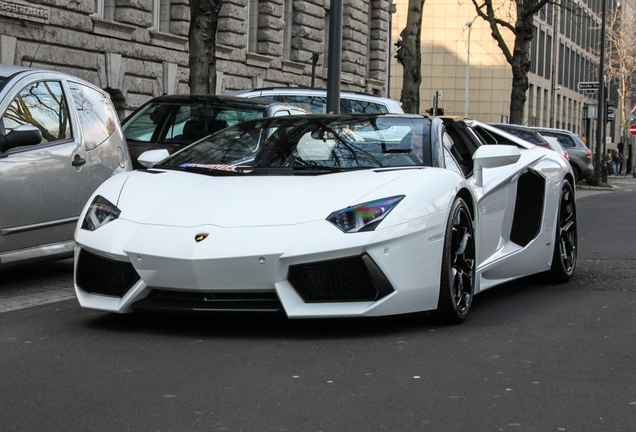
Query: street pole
x: 601, y: 98
x: 335, y: 52
x: 470, y: 26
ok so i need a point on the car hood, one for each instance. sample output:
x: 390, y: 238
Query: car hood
x: 175, y: 198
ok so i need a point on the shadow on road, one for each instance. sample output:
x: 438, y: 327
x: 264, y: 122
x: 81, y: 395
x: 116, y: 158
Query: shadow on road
x: 489, y: 306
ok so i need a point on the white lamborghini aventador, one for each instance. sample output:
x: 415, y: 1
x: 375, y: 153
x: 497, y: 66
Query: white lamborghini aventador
x: 329, y: 216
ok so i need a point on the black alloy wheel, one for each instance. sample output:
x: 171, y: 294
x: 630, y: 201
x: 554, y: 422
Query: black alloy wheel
x: 565, y: 238
x: 457, y: 284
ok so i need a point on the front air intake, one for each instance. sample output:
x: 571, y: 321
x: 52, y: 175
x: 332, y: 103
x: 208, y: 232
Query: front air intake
x: 99, y: 275
x: 340, y: 280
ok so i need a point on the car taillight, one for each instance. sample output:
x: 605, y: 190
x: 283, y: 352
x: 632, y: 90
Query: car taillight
x: 588, y: 155
x: 565, y: 154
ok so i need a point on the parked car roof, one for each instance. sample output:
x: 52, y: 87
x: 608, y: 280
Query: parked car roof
x: 348, y: 99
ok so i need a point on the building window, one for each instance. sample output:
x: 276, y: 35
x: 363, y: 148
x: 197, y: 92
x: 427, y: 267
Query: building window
x: 573, y: 64
x: 105, y: 9
x: 252, y: 26
x: 287, y: 31
x: 584, y: 33
x: 533, y: 51
x: 548, y: 57
x: 326, y: 37
x: 561, y: 52
x: 368, y: 48
x: 161, y: 15
x: 540, y: 63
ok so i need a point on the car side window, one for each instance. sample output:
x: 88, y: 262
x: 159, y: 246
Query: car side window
x: 281, y: 113
x: 358, y: 106
x: 564, y: 139
x: 43, y: 105
x: 449, y: 160
x: 96, y: 114
x: 315, y: 104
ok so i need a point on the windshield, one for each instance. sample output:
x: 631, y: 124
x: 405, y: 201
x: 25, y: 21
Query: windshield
x: 312, y: 143
x: 184, y: 123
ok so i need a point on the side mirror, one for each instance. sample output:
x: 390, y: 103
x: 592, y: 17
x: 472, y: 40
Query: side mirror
x: 151, y: 158
x: 493, y: 156
x: 23, y: 135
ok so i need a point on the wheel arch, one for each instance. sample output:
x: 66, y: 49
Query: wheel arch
x: 465, y: 194
x: 570, y: 177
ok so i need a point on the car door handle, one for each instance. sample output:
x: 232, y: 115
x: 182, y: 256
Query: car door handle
x: 78, y: 161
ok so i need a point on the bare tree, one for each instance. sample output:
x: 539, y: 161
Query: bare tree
x: 621, y: 61
x: 516, y: 17
x: 204, y: 15
x: 410, y: 57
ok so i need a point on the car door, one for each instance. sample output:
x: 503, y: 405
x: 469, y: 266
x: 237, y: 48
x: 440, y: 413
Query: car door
x: 40, y: 185
x: 510, y: 212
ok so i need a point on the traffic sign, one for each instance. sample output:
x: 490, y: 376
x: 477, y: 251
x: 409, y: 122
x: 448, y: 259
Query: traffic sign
x: 632, y: 129
x: 588, y: 86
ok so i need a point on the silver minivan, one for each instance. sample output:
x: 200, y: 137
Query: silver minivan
x: 60, y: 138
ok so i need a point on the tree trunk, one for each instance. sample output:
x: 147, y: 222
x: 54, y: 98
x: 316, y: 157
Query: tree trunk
x: 520, y: 67
x: 204, y: 15
x: 410, y: 57
x: 519, y: 58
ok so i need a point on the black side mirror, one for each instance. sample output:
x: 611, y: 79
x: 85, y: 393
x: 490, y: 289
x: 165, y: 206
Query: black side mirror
x: 23, y: 135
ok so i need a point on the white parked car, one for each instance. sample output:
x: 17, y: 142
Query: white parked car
x: 329, y: 216
x: 315, y: 100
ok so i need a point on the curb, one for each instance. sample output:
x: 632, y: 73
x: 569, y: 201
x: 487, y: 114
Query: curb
x: 598, y: 188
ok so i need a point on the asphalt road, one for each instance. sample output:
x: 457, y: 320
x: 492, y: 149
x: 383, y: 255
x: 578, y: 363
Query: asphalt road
x: 532, y: 357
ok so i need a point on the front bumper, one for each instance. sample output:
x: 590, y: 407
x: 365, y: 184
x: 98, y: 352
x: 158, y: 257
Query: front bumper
x: 306, y: 270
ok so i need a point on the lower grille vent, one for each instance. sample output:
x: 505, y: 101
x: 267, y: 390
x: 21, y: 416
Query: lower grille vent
x: 161, y: 299
x: 345, y: 279
x: 98, y: 275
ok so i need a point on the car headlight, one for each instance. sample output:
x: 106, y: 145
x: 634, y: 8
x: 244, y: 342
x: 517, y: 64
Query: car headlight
x: 100, y: 212
x: 363, y: 217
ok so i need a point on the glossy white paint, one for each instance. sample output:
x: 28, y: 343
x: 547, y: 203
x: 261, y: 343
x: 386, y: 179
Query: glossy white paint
x: 258, y: 226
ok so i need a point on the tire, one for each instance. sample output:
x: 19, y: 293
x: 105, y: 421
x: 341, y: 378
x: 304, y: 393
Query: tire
x: 565, y: 237
x: 457, y: 282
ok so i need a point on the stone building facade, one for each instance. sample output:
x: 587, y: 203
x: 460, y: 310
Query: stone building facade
x: 138, y: 49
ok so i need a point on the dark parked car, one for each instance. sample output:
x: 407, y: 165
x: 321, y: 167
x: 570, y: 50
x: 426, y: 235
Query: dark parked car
x: 523, y: 132
x: 176, y: 121
x: 580, y: 155
x: 59, y: 140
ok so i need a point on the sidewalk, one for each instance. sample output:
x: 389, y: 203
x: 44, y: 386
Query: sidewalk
x: 616, y: 183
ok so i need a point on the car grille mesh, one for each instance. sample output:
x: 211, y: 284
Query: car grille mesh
x: 98, y: 275
x: 346, y: 279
